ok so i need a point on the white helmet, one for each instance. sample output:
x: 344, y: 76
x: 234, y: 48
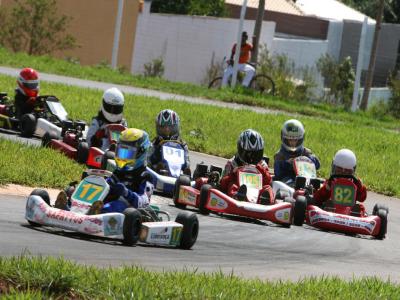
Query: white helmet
x: 113, y: 105
x: 344, y: 159
x: 292, y: 135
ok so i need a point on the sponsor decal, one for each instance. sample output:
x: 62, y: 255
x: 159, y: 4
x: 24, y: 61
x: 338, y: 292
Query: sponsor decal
x: 343, y: 220
x: 112, y: 225
x: 160, y: 235
x: 217, y: 202
x: 283, y: 214
x: 187, y: 197
x: 80, y: 205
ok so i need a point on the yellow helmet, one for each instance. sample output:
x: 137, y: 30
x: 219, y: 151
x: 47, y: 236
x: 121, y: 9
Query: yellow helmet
x: 131, y: 151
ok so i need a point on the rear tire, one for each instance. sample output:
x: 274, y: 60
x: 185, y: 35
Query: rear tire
x: 382, y: 214
x: 182, y: 180
x: 131, y: 226
x: 27, y: 125
x: 190, y: 229
x: 204, y: 198
x: 46, y: 198
x: 215, y: 83
x: 299, y: 211
x: 264, y: 84
x: 82, y: 152
x: 379, y: 206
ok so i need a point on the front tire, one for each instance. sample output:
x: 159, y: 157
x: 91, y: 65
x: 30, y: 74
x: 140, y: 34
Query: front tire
x: 46, y: 198
x: 47, y: 137
x: 190, y: 229
x: 299, y: 211
x: 204, y: 198
x: 82, y: 153
x: 28, y: 125
x: 131, y: 226
x: 182, y: 180
x: 382, y: 214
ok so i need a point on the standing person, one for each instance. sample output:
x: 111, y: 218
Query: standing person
x: 111, y: 112
x: 26, y: 92
x: 244, y: 58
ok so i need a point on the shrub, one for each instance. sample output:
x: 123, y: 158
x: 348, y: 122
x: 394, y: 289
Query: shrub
x: 155, y: 68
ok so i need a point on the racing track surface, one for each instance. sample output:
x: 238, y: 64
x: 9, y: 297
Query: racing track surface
x: 246, y: 248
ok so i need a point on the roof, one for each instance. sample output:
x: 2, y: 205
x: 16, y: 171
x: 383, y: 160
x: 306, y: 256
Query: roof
x: 330, y: 9
x: 283, y: 6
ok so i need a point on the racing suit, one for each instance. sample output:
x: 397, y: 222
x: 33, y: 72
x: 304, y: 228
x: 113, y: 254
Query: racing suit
x: 23, y: 104
x: 228, y: 183
x: 95, y: 135
x: 283, y: 163
x: 155, y: 157
x: 323, y: 194
x: 136, y: 191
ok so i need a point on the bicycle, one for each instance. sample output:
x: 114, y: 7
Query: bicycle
x: 260, y: 82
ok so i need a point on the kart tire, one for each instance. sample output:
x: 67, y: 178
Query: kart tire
x: 131, y: 226
x: 182, y: 180
x: 379, y: 206
x: 82, y: 152
x: 382, y: 214
x: 203, y: 199
x: 108, y: 155
x: 27, y: 125
x: 299, y: 211
x: 48, y: 136
x: 190, y: 229
x: 46, y: 198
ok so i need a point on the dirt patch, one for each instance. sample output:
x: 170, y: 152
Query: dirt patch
x: 24, y: 191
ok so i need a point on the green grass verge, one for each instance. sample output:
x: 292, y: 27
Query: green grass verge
x: 38, y: 277
x: 103, y: 73
x: 215, y: 130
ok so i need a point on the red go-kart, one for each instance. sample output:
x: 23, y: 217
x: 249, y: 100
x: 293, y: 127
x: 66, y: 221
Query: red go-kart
x: 207, y: 198
x: 340, y: 213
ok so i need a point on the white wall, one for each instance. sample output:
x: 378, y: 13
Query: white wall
x: 186, y: 43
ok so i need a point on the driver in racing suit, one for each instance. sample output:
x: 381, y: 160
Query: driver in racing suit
x: 111, y: 112
x: 343, y: 163
x: 167, y: 128
x: 250, y: 150
x: 292, y: 136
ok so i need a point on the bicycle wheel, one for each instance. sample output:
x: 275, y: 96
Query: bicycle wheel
x: 263, y: 84
x: 215, y: 83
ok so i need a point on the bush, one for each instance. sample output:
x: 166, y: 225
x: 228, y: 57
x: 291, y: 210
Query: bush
x: 213, y: 70
x: 35, y: 27
x: 290, y: 82
x: 394, y: 101
x: 155, y: 68
x: 339, y: 78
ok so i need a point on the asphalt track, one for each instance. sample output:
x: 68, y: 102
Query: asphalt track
x: 232, y: 245
x: 229, y: 244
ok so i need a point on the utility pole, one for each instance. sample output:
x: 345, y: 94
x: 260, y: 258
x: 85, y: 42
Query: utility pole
x: 257, y: 30
x: 371, y: 67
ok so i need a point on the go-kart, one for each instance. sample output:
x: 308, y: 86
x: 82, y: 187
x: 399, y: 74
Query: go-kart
x: 48, y: 116
x: 208, y: 198
x: 340, y: 213
x: 133, y: 225
x: 170, y: 168
x: 306, y: 174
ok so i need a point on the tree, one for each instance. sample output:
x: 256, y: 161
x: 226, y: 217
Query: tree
x: 35, y: 26
x: 369, y: 7
x: 214, y: 8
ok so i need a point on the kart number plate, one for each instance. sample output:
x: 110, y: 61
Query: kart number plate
x: 88, y: 192
x: 250, y: 180
x: 343, y: 195
x: 305, y: 169
x: 173, y: 155
x: 115, y: 135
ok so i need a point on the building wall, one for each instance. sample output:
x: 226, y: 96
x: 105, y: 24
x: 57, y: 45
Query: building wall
x: 93, y: 26
x: 310, y: 27
x: 187, y: 44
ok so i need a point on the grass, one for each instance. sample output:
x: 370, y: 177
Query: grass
x: 27, y: 277
x: 215, y: 130
x: 104, y: 73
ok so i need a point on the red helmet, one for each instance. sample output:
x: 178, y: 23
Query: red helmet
x: 28, y: 82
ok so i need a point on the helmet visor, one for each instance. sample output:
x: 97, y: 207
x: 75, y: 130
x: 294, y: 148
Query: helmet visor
x: 167, y: 130
x: 292, y: 143
x: 125, y: 155
x: 251, y: 157
x: 342, y: 171
x: 31, y: 85
x: 112, y: 109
